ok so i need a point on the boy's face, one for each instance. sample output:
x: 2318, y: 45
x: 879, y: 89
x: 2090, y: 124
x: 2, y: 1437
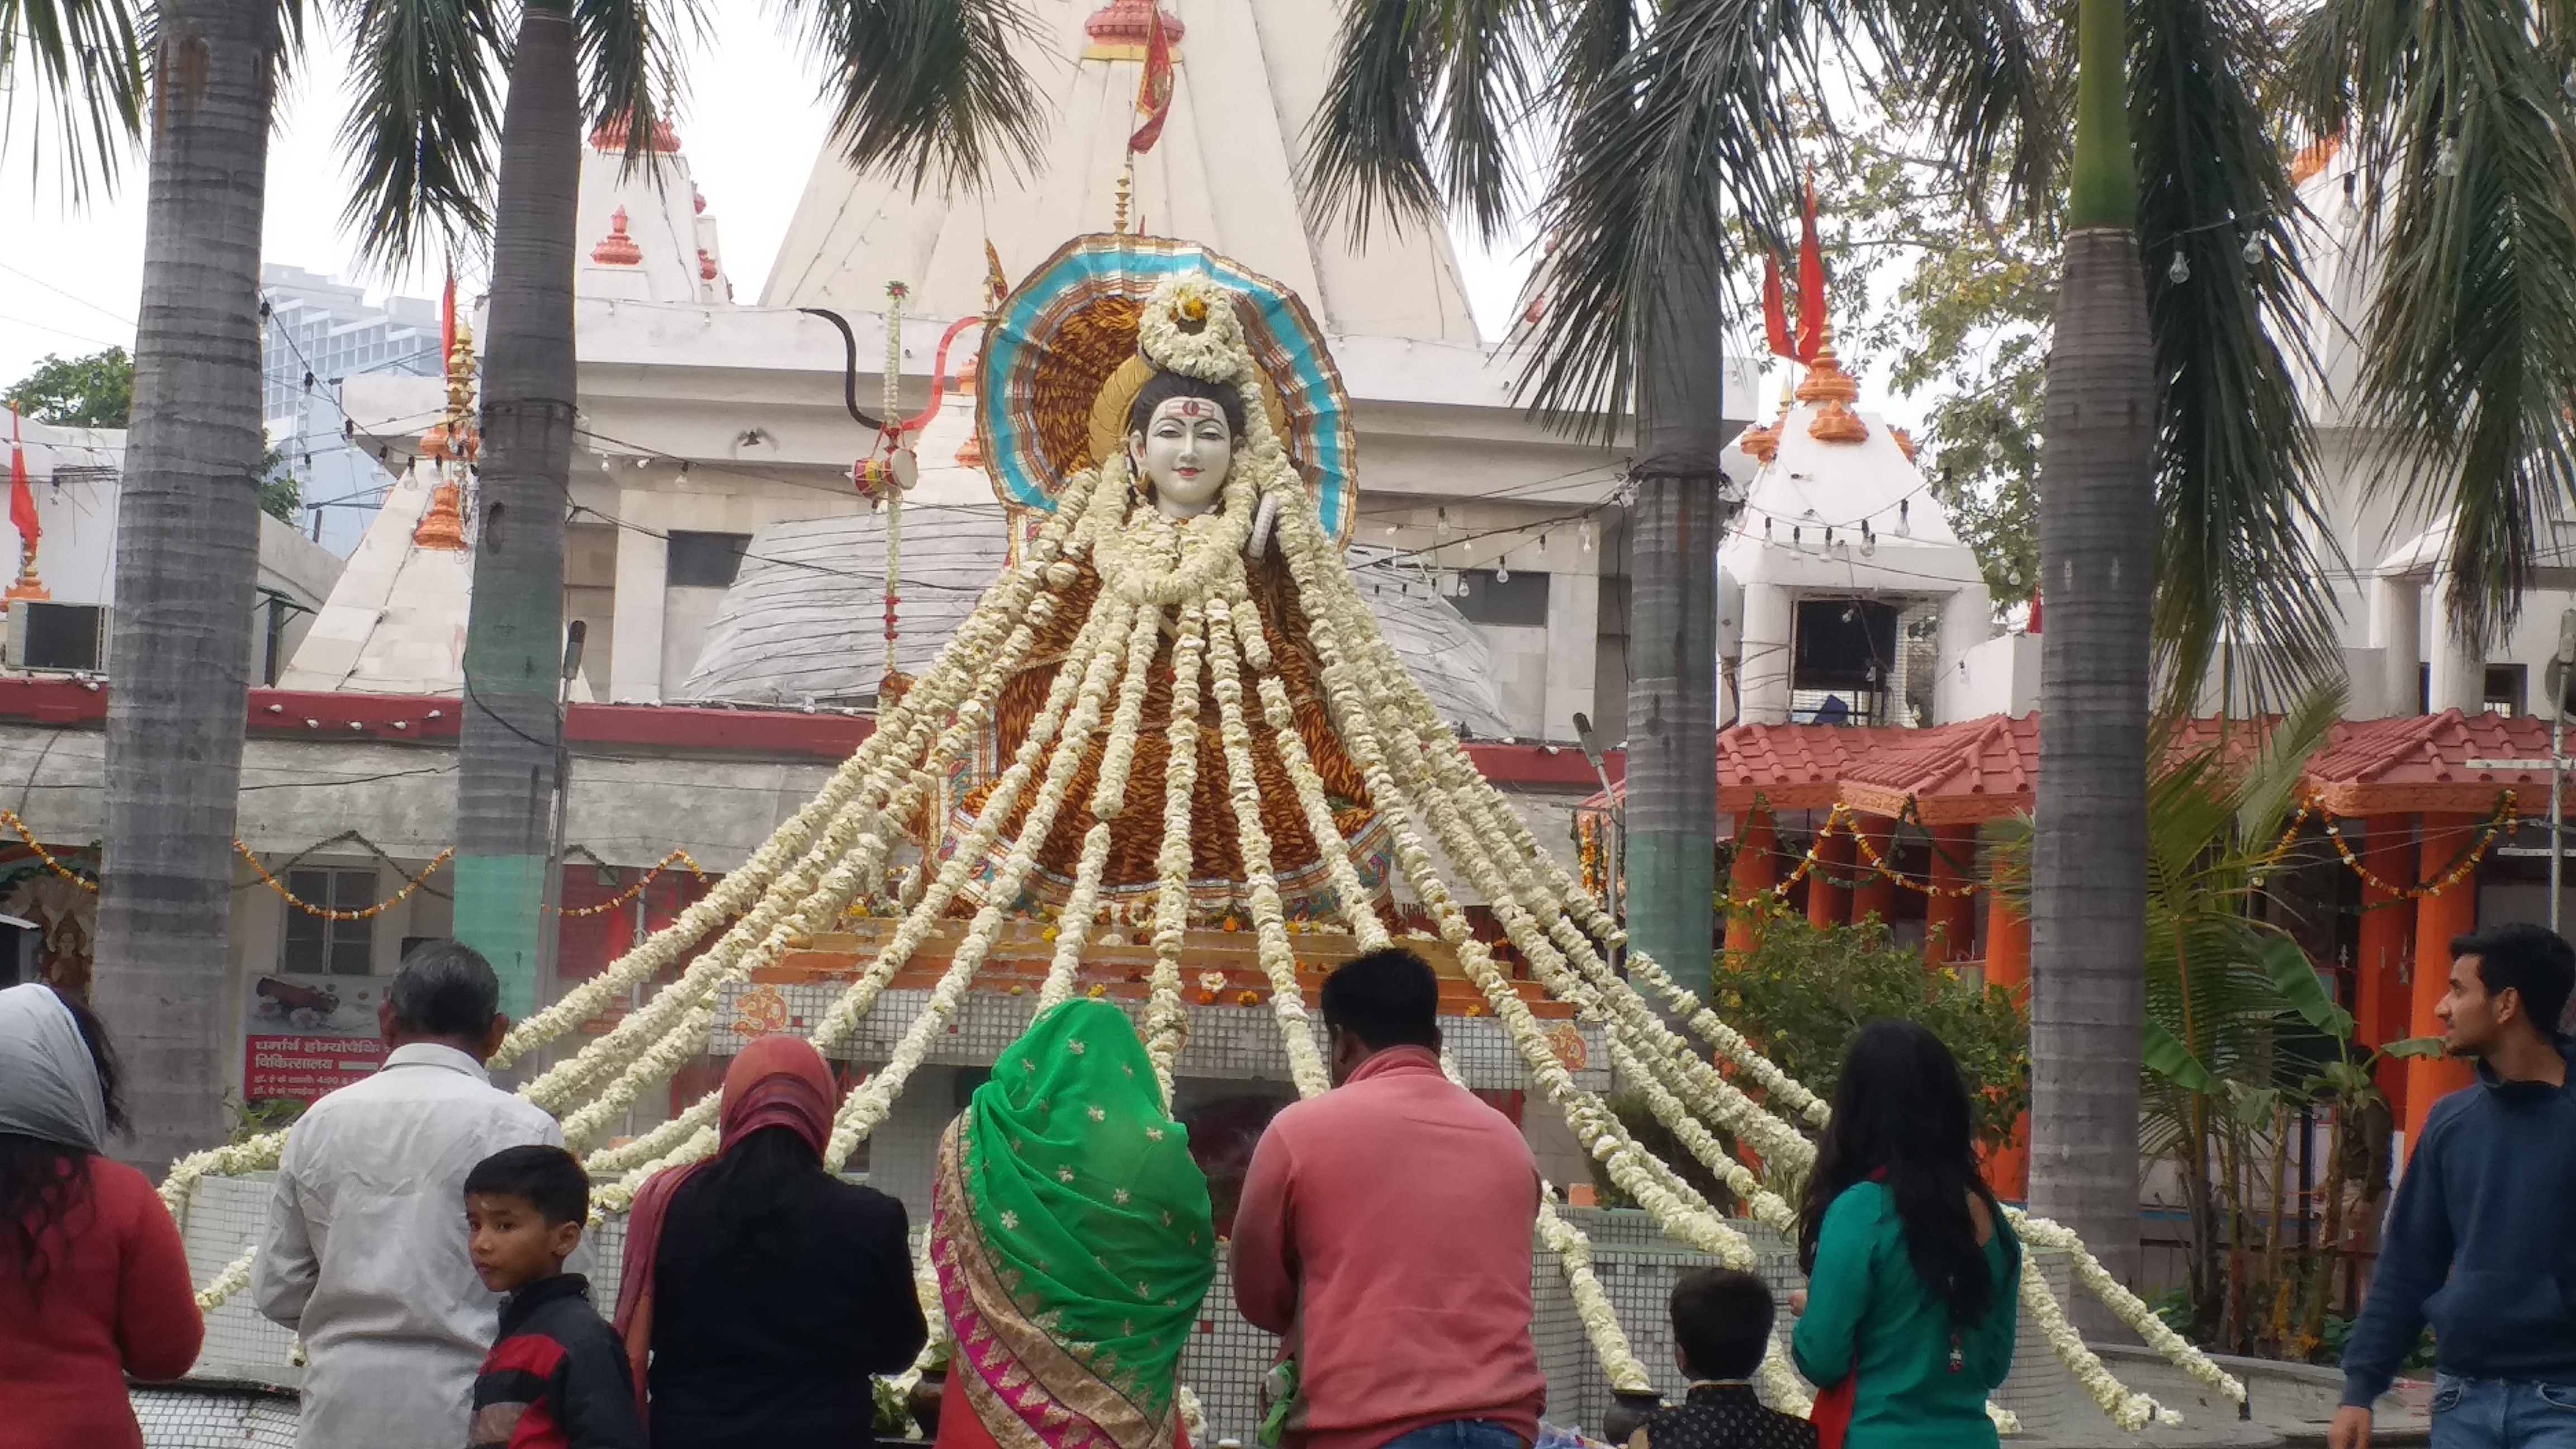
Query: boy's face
x: 512, y: 1243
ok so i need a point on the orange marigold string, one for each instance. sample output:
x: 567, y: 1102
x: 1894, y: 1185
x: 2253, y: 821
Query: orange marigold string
x: 47, y: 856
x: 310, y: 909
x: 2505, y: 817
x: 622, y: 897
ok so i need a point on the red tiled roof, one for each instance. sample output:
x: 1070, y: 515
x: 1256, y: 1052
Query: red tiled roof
x: 2419, y: 763
x: 1976, y: 770
x: 1987, y: 769
x: 1791, y: 767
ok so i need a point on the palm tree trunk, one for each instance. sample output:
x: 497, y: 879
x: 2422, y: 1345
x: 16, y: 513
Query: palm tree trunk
x: 1680, y: 510
x: 2097, y: 533
x: 187, y: 564
x: 506, y: 761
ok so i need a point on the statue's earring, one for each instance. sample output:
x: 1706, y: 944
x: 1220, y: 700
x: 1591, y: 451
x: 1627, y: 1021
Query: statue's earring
x: 1139, y: 484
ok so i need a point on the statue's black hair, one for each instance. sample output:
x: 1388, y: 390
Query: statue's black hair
x: 1165, y: 386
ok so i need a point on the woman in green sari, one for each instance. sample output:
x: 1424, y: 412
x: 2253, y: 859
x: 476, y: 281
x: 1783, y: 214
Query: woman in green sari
x: 1072, y: 1238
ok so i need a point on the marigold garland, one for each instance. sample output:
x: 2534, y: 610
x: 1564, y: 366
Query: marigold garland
x: 366, y: 913
x: 42, y: 854
x: 602, y: 908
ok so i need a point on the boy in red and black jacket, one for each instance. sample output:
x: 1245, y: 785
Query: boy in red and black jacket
x: 557, y: 1376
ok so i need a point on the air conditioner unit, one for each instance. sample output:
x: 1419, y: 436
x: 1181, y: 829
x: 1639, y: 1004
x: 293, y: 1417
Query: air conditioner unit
x: 45, y: 636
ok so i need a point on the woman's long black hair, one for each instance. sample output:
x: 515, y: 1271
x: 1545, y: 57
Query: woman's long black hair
x: 751, y: 1189
x: 41, y: 1182
x: 1901, y: 1114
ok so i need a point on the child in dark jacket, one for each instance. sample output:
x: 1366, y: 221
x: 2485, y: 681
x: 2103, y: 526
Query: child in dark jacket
x: 556, y: 1378
x: 1721, y: 1328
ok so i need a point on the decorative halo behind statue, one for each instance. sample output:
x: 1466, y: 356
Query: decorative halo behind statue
x: 1067, y: 335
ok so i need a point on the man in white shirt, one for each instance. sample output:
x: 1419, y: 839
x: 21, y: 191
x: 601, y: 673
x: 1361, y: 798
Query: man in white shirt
x: 365, y: 1253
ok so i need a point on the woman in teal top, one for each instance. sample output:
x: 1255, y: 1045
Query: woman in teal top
x: 1912, y: 1273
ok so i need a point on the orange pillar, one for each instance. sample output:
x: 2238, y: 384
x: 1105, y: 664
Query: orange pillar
x: 2008, y: 966
x: 1876, y: 894
x: 2438, y: 917
x: 1949, y: 918
x: 1756, y: 867
x: 1828, y: 900
x: 2381, y: 1007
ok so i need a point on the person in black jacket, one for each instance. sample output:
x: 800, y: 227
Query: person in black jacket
x: 556, y: 1377
x: 1721, y: 1328
x: 767, y: 1289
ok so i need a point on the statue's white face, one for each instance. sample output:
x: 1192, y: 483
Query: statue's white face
x: 1186, y: 450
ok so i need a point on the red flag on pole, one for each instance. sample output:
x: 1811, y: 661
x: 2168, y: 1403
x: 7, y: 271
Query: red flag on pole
x: 22, y: 498
x: 1775, y: 313
x: 1811, y: 282
x: 447, y: 324
x: 1154, y: 91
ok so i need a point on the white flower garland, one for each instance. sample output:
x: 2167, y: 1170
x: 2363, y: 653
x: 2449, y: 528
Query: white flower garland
x: 613, y: 1161
x: 1261, y: 887
x: 1081, y: 913
x: 233, y: 1159
x: 1118, y: 753
x: 2125, y: 1305
x: 234, y: 1278
x: 1352, y: 710
x: 1096, y: 665
x: 1591, y: 1302
x: 1359, y: 905
x: 1167, y: 1021
x: 2131, y: 1411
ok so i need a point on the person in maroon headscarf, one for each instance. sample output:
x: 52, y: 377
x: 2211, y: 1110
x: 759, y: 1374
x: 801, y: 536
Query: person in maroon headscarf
x: 760, y: 1292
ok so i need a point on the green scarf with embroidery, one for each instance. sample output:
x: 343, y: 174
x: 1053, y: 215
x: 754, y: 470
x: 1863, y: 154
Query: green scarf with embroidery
x: 1085, y: 1201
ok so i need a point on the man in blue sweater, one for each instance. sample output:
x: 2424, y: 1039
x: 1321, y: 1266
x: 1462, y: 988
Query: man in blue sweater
x: 2481, y: 1242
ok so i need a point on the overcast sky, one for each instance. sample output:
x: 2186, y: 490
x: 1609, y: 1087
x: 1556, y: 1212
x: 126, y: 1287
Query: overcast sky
x: 69, y: 277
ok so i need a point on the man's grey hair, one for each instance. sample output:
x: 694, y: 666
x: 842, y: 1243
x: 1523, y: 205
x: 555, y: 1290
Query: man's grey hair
x: 447, y: 989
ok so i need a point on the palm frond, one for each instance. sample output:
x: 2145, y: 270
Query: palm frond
x: 1696, y: 117
x: 2245, y: 556
x: 631, y: 69
x: 1996, y: 74
x: 2459, y: 123
x: 1421, y: 101
x: 929, y: 87
x: 2268, y: 793
x: 422, y: 128
x: 75, y: 66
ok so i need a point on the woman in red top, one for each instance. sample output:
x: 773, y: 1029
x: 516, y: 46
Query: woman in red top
x: 93, y: 1282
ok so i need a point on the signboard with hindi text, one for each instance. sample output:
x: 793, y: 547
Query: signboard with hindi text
x: 309, y: 1035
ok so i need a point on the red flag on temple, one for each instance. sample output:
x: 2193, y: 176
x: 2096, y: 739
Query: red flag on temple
x: 1775, y: 312
x: 22, y: 498
x: 1154, y: 91
x: 447, y: 324
x: 1811, y: 282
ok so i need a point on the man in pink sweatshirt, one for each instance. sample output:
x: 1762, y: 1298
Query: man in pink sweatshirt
x: 1384, y: 1234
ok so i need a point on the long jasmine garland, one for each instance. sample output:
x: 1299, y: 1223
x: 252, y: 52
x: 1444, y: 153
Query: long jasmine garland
x: 1167, y: 1022
x: 2115, y: 1295
x: 1278, y: 958
x: 1591, y: 1303
x: 1003, y: 615
x: 1358, y: 905
x: 1095, y: 666
x: 1081, y: 913
x: 2131, y: 1411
